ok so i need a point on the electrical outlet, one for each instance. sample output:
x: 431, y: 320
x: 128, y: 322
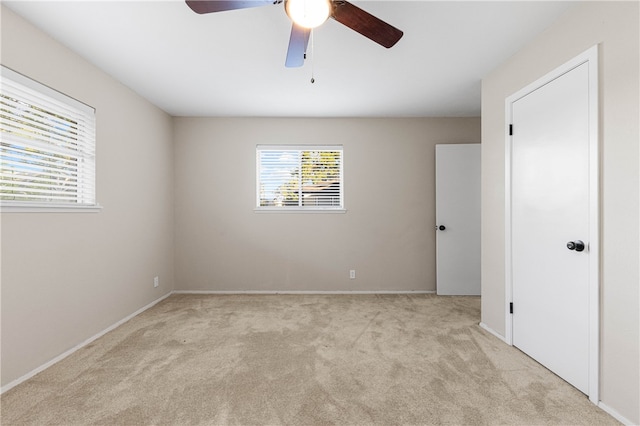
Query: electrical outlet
x: 352, y: 274
x: 156, y: 282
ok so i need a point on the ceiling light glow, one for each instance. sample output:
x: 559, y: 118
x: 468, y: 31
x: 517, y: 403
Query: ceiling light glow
x: 308, y: 13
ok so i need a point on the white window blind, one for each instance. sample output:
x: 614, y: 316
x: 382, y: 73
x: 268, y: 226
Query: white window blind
x: 48, y: 146
x: 299, y: 178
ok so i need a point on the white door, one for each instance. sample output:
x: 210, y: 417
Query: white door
x: 551, y: 224
x: 458, y: 219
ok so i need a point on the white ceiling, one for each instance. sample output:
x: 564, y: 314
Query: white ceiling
x: 232, y: 63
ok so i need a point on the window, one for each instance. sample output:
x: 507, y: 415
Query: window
x: 48, y: 146
x: 291, y: 178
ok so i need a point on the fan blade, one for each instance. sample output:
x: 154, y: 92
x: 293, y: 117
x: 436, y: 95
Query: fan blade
x: 366, y: 24
x: 209, y: 6
x: 297, y: 46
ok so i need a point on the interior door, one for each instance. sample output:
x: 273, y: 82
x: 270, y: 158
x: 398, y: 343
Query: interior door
x: 550, y: 225
x: 458, y: 219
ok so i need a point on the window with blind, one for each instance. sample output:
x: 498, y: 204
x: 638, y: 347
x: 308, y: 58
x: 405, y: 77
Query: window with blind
x: 48, y: 146
x: 291, y: 178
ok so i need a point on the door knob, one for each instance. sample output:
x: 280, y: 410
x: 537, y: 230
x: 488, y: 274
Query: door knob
x: 441, y: 227
x: 576, y: 245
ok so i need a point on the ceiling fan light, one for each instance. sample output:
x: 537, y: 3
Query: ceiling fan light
x: 308, y: 13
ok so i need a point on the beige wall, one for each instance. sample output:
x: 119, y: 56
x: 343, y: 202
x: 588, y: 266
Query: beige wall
x: 613, y: 25
x: 222, y: 244
x: 66, y: 276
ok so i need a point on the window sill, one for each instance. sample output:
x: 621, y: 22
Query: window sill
x: 289, y: 210
x: 43, y: 208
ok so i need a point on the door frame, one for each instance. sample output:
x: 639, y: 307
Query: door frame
x: 590, y: 57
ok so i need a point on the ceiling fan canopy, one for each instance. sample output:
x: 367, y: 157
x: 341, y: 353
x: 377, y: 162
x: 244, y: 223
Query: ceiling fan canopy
x: 308, y: 14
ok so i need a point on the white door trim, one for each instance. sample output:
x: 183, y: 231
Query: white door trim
x: 590, y: 56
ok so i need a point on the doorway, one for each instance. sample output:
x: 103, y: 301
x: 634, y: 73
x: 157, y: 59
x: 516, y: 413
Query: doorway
x: 552, y: 222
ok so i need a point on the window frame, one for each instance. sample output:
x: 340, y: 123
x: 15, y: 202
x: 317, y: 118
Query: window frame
x: 300, y: 208
x: 56, y: 103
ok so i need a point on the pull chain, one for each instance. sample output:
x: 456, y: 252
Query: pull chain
x: 313, y: 80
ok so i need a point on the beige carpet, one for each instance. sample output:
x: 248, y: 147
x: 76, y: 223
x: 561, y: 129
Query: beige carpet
x: 300, y: 360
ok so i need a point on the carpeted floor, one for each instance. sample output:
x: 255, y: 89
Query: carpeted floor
x: 300, y: 360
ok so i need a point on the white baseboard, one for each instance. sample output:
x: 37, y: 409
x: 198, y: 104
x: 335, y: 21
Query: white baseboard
x: 492, y: 331
x: 62, y: 356
x: 613, y: 413
x: 300, y: 292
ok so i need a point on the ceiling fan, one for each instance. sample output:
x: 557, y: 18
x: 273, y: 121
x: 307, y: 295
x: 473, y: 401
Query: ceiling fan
x: 308, y: 14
